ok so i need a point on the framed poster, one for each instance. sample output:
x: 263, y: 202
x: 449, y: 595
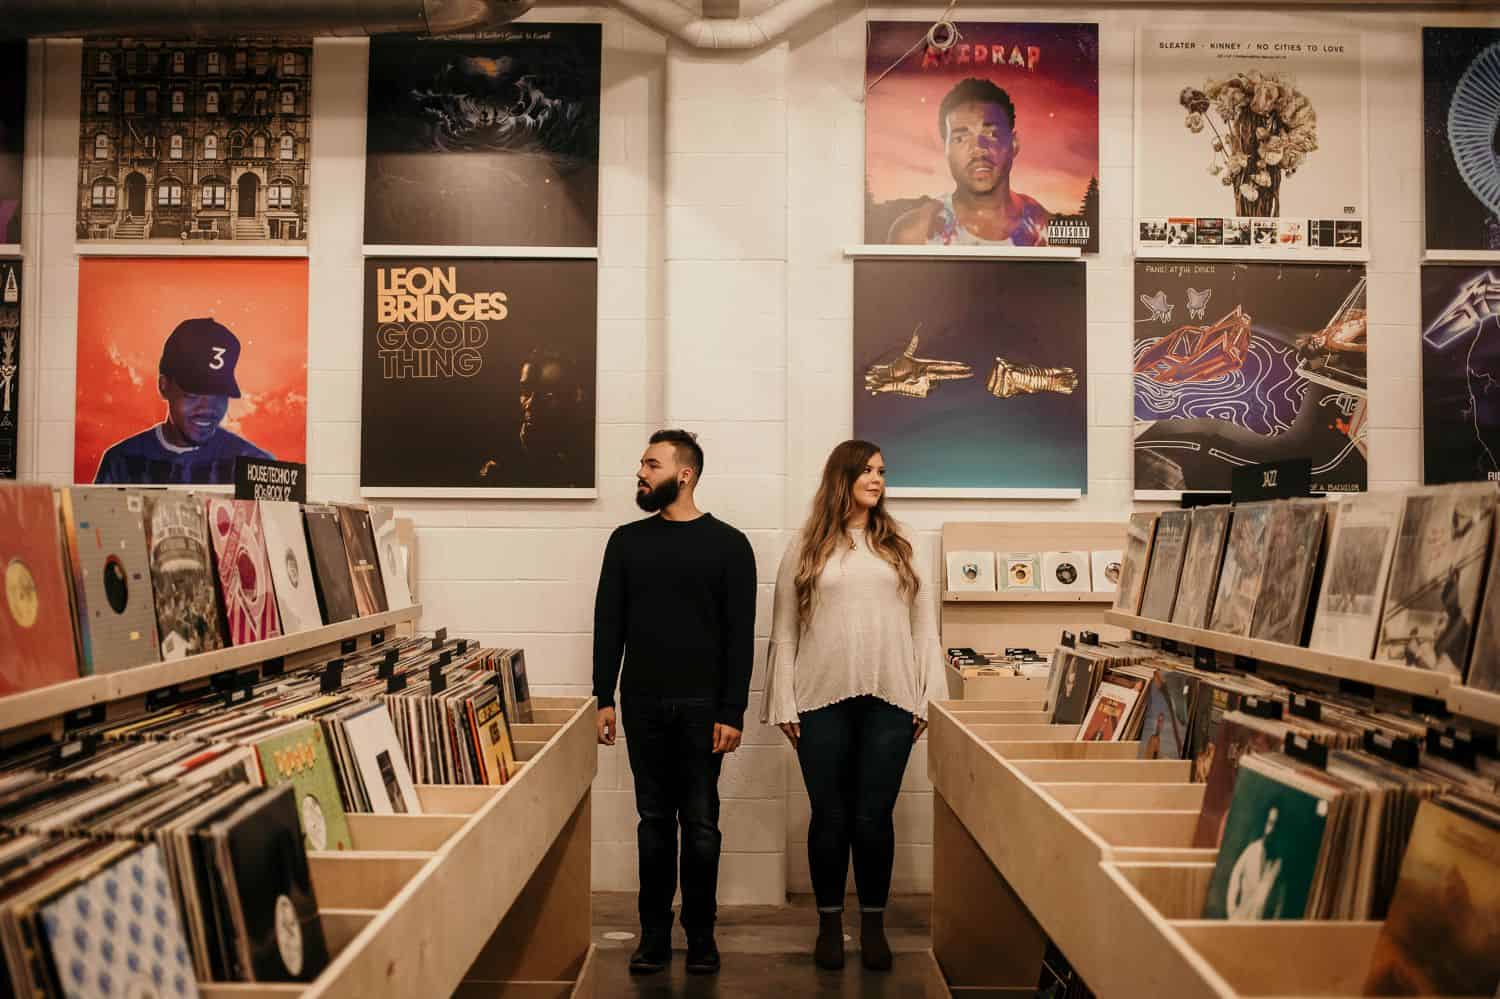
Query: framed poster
x: 1460, y: 364
x: 1238, y: 364
x: 485, y: 140
x: 12, y: 137
x: 187, y: 363
x: 479, y: 378
x: 971, y: 375
x: 10, y: 366
x: 1250, y: 140
x: 1460, y: 114
x: 993, y: 141
x: 195, y: 143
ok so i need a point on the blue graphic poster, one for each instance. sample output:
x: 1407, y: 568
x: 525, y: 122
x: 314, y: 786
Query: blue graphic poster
x: 971, y: 375
x: 1238, y: 364
x: 1460, y: 373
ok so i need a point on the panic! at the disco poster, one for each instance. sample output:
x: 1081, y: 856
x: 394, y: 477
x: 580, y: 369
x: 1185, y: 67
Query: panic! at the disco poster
x: 479, y: 377
x: 1239, y: 364
x: 1460, y: 371
x: 485, y: 140
x: 1250, y: 138
x: 971, y: 374
x: 993, y: 140
x: 1460, y: 115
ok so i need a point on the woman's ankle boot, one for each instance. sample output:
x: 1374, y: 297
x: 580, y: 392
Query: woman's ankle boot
x: 874, y: 951
x: 828, y: 952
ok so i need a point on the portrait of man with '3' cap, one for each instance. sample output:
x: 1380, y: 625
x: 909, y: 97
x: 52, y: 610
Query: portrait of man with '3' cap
x: 195, y: 379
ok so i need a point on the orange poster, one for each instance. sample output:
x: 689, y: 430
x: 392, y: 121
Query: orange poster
x: 185, y: 364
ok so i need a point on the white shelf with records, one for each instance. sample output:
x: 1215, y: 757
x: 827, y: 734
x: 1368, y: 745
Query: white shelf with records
x: 984, y: 610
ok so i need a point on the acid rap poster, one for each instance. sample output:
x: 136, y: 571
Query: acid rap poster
x: 479, y: 377
x: 12, y: 132
x: 1460, y: 373
x: 1252, y: 138
x: 186, y: 364
x: 1237, y: 364
x: 994, y: 140
x: 485, y: 140
x: 1460, y: 116
x: 970, y: 374
x: 10, y: 365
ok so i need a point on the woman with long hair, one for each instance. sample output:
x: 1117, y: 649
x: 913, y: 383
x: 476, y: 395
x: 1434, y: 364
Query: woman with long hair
x: 854, y: 659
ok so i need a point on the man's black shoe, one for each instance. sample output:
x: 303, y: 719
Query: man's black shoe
x: 653, y: 955
x: 702, y: 955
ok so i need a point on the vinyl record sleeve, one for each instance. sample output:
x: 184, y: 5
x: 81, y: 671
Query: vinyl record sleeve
x: 381, y: 763
x: 364, y: 563
x: 1018, y: 571
x: 971, y: 572
x: 1105, y: 569
x: 36, y: 623
x: 1109, y: 713
x: 111, y: 578
x: 1162, y: 734
x: 1141, y: 532
x: 1160, y: 594
x: 1200, y: 566
x: 188, y: 618
x: 300, y: 757
x: 1354, y: 582
x: 121, y: 926
x: 392, y: 555
x: 330, y: 564
x: 1293, y: 545
x: 1065, y: 572
x: 1243, y: 569
x: 291, y: 566
x: 243, y: 570
x: 273, y: 899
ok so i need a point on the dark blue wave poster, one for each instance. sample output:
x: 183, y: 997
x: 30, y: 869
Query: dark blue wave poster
x: 1460, y: 373
x: 1460, y: 116
x: 971, y: 375
x: 1238, y: 364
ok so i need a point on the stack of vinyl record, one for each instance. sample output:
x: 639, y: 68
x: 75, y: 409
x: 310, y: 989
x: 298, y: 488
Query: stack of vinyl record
x: 132, y: 576
x: 219, y: 891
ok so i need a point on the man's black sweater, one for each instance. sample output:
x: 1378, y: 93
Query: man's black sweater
x: 678, y: 599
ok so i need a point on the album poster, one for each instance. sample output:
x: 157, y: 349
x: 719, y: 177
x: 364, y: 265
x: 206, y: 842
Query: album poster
x: 479, y: 377
x: 485, y: 140
x: 10, y: 366
x: 1237, y: 364
x: 1251, y: 138
x: 1460, y: 361
x: 993, y: 141
x: 12, y: 137
x: 186, y: 364
x: 971, y: 374
x: 195, y: 142
x: 1460, y: 112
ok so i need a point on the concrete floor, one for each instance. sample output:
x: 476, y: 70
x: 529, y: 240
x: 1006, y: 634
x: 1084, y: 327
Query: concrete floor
x: 767, y: 953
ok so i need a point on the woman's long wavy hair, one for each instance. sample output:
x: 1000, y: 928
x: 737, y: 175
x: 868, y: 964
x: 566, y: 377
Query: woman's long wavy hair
x: 826, y: 530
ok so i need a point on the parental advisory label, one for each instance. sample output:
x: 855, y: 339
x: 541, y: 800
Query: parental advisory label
x: 1067, y: 232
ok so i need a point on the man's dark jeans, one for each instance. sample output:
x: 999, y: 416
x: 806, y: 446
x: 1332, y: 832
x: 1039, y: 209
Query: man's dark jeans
x: 676, y: 784
x: 853, y: 755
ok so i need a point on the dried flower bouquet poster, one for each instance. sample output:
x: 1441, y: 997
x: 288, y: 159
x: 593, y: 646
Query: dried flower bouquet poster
x: 1250, y: 139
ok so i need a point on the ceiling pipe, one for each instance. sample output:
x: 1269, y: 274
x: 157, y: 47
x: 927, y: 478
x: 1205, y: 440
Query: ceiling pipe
x: 230, y: 18
x: 716, y: 33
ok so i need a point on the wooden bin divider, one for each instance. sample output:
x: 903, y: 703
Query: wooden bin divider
x: 455, y: 799
x: 534, y: 731
x: 367, y: 879
x: 1006, y: 717
x: 427, y: 831
x: 1121, y: 827
x: 340, y: 926
x: 1017, y: 733
x: 1044, y: 750
x: 1169, y: 796
x: 1105, y: 771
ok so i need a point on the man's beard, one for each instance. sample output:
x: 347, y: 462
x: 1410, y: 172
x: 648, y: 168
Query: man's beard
x: 659, y: 498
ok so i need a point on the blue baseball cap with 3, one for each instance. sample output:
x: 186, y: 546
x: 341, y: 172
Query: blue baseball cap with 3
x: 200, y: 357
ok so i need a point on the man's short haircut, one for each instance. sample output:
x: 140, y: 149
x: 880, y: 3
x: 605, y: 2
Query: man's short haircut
x: 973, y: 90
x: 689, y: 452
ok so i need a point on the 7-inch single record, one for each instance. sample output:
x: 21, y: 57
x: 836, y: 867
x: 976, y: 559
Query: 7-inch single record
x: 393, y: 559
x: 364, y: 563
x: 330, y: 565
x: 36, y: 620
x: 187, y: 597
x: 244, y: 571
x: 291, y: 566
x: 111, y: 579
x: 275, y: 911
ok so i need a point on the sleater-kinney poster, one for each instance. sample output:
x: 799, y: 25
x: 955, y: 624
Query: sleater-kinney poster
x: 479, y: 377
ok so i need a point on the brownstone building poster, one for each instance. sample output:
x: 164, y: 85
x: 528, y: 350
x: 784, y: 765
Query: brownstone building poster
x: 195, y: 142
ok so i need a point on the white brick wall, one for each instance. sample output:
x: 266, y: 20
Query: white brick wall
x: 730, y: 184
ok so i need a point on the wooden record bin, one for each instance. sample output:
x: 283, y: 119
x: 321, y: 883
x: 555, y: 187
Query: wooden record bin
x: 1039, y: 837
x: 996, y: 620
x: 487, y: 893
